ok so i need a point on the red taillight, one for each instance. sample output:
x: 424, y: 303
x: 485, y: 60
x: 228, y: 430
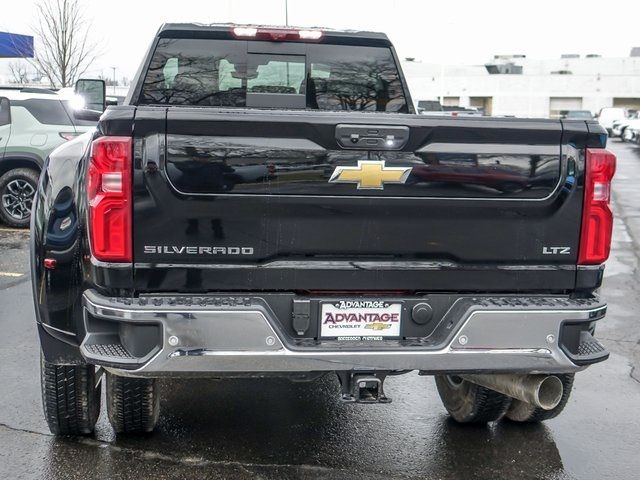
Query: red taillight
x: 597, y: 218
x: 109, y: 197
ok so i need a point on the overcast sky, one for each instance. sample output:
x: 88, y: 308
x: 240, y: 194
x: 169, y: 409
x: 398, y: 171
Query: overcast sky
x: 433, y: 31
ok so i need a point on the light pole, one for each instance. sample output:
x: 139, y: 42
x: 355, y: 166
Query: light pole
x: 286, y: 12
x: 286, y: 23
x: 114, y: 80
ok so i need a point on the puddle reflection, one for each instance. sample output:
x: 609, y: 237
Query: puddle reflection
x: 274, y: 423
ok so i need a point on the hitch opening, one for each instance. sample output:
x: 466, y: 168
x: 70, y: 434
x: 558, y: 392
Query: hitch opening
x: 363, y: 387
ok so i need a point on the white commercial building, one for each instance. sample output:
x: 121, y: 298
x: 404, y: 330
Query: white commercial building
x: 540, y: 88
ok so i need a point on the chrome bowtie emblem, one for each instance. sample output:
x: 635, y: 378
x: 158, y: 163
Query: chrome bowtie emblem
x: 370, y: 174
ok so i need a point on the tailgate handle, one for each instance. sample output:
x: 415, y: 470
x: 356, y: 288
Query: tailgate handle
x: 372, y: 137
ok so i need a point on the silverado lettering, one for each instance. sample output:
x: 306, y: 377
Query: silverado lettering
x: 172, y: 249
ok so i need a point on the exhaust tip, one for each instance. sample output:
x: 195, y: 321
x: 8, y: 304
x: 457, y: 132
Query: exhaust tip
x: 550, y: 392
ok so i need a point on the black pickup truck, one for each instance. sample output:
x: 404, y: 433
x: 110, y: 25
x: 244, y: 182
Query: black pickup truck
x: 267, y: 202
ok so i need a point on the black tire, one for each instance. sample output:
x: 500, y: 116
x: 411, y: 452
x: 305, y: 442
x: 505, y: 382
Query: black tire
x: 525, y: 412
x: 17, y: 191
x: 133, y: 404
x: 70, y: 397
x: 467, y: 402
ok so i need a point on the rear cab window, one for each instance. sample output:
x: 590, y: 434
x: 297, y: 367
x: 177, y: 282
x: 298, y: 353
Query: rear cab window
x: 230, y: 73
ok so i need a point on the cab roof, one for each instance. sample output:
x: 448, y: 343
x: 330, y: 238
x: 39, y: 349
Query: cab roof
x: 226, y: 31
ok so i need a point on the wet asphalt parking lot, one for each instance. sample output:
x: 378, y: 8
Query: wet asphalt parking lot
x: 276, y: 429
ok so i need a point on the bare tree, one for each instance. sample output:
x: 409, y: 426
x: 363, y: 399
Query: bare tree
x: 18, y: 73
x: 63, y: 50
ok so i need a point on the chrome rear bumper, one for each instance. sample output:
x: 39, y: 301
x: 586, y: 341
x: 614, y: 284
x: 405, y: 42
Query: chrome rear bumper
x: 494, y: 335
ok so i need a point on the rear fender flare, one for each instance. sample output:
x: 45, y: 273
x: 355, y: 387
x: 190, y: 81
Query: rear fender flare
x: 57, y: 232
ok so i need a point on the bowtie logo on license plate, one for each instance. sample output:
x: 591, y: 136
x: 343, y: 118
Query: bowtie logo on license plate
x: 378, y: 326
x: 370, y: 174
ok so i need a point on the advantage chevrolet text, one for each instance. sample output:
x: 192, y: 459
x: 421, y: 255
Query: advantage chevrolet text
x: 267, y: 202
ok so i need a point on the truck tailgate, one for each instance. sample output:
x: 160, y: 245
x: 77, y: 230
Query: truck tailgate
x: 231, y: 200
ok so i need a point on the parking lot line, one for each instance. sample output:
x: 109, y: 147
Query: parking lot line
x: 10, y: 274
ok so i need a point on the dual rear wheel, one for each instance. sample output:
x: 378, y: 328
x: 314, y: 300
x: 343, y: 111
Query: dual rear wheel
x: 71, y: 397
x: 467, y: 402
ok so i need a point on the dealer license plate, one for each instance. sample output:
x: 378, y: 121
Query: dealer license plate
x: 357, y: 319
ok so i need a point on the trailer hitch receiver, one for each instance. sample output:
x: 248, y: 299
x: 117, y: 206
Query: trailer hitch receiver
x: 359, y: 387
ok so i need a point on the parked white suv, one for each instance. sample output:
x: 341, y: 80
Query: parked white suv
x: 608, y: 115
x: 632, y: 130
